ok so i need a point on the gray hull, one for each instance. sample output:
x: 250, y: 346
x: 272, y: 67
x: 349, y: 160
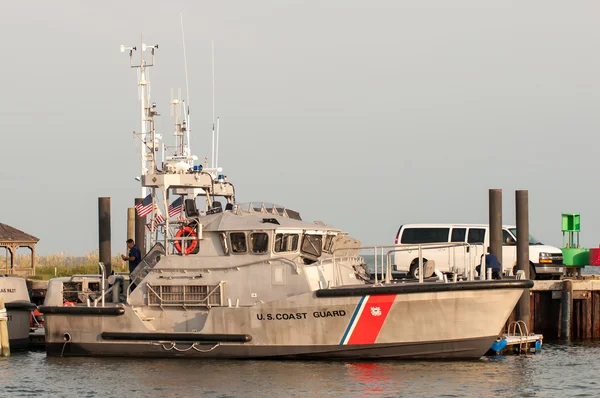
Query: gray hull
x: 18, y: 329
x: 18, y: 308
x: 19, y: 344
x: 443, y: 322
x: 458, y: 349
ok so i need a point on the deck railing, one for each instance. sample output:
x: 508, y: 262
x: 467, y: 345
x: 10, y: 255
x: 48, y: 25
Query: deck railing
x: 381, y: 255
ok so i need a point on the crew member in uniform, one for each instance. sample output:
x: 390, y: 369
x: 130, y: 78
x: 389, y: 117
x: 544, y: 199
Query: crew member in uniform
x: 134, y: 257
x: 491, y: 261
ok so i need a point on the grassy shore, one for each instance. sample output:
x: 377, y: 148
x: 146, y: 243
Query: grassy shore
x: 62, y: 264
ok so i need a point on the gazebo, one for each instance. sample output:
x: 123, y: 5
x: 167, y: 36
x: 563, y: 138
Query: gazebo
x: 12, y: 238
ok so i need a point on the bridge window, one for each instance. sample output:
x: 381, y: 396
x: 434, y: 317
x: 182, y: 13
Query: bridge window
x: 259, y: 242
x: 286, y: 243
x: 312, y: 244
x: 238, y: 242
x: 328, y: 243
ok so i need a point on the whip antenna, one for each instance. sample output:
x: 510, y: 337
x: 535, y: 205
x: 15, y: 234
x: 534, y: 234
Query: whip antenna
x: 186, y: 112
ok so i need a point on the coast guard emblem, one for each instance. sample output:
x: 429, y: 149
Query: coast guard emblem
x: 376, y: 311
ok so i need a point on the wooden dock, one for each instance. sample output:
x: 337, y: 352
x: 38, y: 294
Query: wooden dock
x: 566, y: 309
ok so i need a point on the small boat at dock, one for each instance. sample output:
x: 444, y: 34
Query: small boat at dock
x: 18, y: 308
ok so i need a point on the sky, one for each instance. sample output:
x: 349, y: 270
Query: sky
x: 362, y: 114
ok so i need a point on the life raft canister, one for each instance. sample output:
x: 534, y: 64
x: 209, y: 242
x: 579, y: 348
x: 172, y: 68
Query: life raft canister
x: 185, y: 232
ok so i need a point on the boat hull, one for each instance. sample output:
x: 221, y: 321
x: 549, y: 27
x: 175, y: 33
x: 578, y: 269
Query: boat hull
x: 436, y: 322
x: 457, y: 349
x: 18, y: 325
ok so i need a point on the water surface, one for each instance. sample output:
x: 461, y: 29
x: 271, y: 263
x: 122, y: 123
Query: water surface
x: 559, y: 370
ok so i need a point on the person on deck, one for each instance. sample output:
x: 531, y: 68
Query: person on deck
x: 134, y: 257
x: 491, y: 261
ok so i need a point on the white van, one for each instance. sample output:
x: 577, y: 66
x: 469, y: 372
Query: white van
x: 545, y: 261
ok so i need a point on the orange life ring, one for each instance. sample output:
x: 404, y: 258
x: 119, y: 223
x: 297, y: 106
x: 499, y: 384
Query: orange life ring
x: 188, y: 231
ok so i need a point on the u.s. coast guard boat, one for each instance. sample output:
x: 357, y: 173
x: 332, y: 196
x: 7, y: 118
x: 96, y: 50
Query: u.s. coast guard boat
x: 227, y: 280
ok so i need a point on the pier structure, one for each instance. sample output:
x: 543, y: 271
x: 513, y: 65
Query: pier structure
x: 568, y: 309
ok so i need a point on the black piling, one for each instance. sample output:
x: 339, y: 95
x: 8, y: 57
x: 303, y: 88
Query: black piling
x: 522, y: 212
x: 130, y: 227
x: 140, y: 231
x: 495, y: 205
x: 104, y: 233
x: 566, y: 310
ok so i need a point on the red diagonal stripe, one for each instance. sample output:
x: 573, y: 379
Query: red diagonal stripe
x: 369, y: 324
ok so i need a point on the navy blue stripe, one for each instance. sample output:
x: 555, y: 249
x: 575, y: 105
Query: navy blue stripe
x: 352, y: 319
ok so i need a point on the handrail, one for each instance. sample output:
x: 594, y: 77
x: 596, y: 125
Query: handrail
x: 109, y: 290
x: 410, y: 247
x: 182, y: 240
x: 102, y: 287
x: 434, y: 246
x: 284, y: 259
x: 420, y: 252
x: 523, y: 342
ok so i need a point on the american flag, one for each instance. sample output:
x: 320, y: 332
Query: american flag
x: 158, y: 218
x: 145, y: 208
x: 175, y: 207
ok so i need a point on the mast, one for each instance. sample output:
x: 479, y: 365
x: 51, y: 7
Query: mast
x: 213, y: 156
x: 142, y: 84
x: 186, y: 111
x: 180, y: 125
x: 178, y: 173
x: 217, y: 148
x: 148, y: 141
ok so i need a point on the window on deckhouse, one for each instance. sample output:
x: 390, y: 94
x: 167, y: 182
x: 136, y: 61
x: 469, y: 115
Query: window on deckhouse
x: 312, y: 245
x: 238, y: 242
x: 328, y: 243
x: 259, y: 242
x: 286, y: 243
